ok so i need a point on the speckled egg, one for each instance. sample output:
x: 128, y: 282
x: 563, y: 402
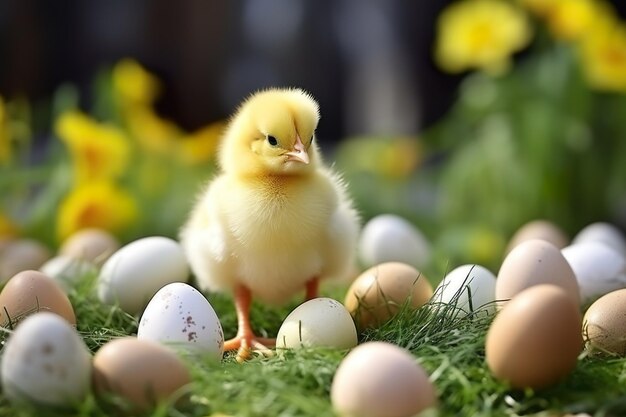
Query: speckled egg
x: 535, y: 262
x: 378, y: 379
x: 378, y: 293
x: 45, y: 361
x: 142, y: 372
x: 604, y: 324
x: 534, y: 341
x: 320, y: 322
x: 539, y: 229
x: 29, y: 292
x: 93, y: 245
x: 21, y: 255
x: 179, y: 316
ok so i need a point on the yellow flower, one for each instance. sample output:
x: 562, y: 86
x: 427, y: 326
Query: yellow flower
x: 571, y: 19
x: 133, y: 84
x: 201, y: 145
x: 153, y: 133
x: 480, y: 34
x: 99, y: 151
x: 603, y: 56
x: 101, y: 205
x: 539, y: 7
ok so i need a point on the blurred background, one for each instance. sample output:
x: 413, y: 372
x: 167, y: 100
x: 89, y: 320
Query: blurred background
x: 468, y: 118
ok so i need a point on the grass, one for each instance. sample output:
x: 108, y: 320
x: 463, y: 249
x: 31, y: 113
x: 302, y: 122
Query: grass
x: 298, y: 383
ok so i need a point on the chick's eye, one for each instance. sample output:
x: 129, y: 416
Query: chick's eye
x: 272, y: 140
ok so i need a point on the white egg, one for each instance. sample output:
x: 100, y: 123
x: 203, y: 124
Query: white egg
x: 181, y: 317
x: 138, y: 270
x: 471, y: 287
x: 68, y: 271
x: 602, y: 232
x: 391, y: 238
x: 599, y: 269
x: 320, y: 322
x: 45, y: 361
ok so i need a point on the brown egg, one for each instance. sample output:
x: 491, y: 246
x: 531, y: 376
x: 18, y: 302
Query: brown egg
x: 29, y: 292
x: 535, y: 339
x: 378, y: 293
x: 141, y: 371
x: 531, y: 263
x: 22, y: 255
x: 604, y: 326
x: 94, y: 245
x: 539, y: 229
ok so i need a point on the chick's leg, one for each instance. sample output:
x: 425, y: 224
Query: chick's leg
x: 245, y: 340
x: 312, y: 288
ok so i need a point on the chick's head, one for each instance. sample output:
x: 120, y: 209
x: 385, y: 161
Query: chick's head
x: 272, y: 133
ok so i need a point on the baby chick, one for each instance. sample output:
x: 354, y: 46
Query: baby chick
x: 275, y: 220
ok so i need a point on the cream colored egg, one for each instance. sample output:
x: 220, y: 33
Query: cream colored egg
x: 30, y: 292
x: 22, y: 255
x: 320, y: 322
x: 45, y: 361
x: 535, y: 339
x: 94, y: 245
x: 179, y: 316
x: 378, y: 379
x: 138, y: 270
x: 378, y: 293
x: 539, y: 229
x: 469, y: 288
x: 604, y: 324
x: 68, y: 271
x: 391, y: 238
x: 535, y: 262
x: 142, y: 372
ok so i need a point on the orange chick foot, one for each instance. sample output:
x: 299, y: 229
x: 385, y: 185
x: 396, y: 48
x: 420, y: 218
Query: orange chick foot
x: 246, y: 344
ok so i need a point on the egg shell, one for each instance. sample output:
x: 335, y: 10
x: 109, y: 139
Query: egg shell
x: 602, y: 232
x: 68, y: 271
x: 320, y: 322
x: 29, y: 292
x: 604, y: 326
x: 94, y: 245
x: 378, y: 379
x: 539, y: 229
x: 379, y: 292
x: 471, y: 288
x: 535, y: 262
x: 179, y: 316
x: 534, y: 341
x: 142, y: 372
x: 138, y: 270
x: 22, y: 255
x: 45, y: 361
x: 599, y: 269
x: 391, y: 238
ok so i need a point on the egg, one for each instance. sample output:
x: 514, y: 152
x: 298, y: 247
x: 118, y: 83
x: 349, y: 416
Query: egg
x: 320, y: 322
x: 604, y: 327
x: 531, y: 263
x: 379, y: 292
x: 181, y: 317
x: 378, y: 379
x: 470, y: 288
x: 133, y: 274
x: 534, y: 341
x: 539, y: 229
x: 602, y: 232
x: 45, y: 361
x: 599, y: 268
x: 22, y: 255
x: 388, y: 237
x: 29, y: 292
x: 68, y: 271
x: 94, y: 245
x: 142, y: 372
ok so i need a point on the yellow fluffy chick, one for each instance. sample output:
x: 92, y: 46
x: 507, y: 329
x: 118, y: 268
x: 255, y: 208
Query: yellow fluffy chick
x: 275, y: 220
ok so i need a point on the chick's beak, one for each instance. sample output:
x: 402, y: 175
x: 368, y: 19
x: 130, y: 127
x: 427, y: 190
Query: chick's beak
x: 298, y: 153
